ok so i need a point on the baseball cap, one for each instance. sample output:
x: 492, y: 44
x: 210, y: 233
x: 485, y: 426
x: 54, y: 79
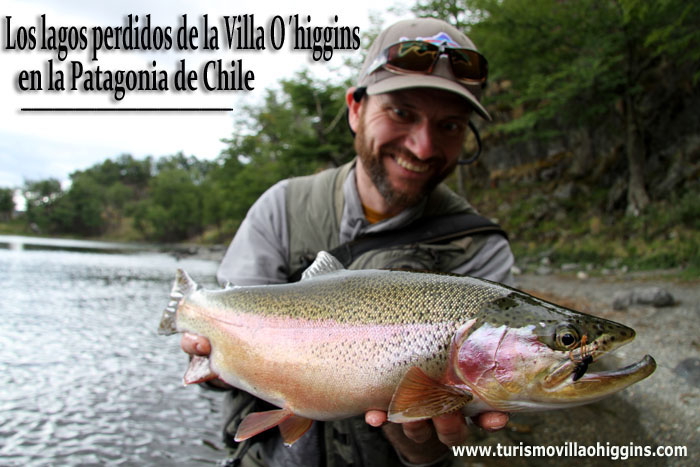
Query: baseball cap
x: 380, y: 80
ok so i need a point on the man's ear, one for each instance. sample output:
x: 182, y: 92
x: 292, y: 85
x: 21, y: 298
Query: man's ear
x: 353, y: 108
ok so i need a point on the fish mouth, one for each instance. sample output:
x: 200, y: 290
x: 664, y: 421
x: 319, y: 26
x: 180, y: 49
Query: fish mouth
x: 635, y: 372
x: 569, y: 383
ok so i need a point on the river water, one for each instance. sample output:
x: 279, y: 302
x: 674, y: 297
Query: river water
x: 85, y: 378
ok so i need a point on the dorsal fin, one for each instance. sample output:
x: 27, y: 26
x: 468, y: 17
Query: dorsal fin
x: 323, y: 264
x: 183, y: 286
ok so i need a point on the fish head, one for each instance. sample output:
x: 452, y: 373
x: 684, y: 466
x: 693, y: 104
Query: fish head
x: 522, y: 353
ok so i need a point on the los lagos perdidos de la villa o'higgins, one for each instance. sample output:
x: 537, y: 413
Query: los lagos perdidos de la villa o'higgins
x: 215, y: 75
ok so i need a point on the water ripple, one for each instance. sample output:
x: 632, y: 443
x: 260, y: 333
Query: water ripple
x: 85, y: 378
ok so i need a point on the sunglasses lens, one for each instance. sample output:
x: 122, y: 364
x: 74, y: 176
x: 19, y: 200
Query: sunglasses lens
x: 412, y: 55
x: 467, y: 64
x: 419, y: 57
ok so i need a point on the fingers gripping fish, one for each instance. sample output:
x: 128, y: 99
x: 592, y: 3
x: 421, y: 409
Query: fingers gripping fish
x: 341, y: 342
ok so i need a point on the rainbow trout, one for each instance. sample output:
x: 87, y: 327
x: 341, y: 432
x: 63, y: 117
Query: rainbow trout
x: 341, y: 342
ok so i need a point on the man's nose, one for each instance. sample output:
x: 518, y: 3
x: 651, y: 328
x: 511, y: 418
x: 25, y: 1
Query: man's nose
x: 421, y: 140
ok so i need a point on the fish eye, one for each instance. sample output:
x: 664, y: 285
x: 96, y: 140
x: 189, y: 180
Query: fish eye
x: 566, y: 337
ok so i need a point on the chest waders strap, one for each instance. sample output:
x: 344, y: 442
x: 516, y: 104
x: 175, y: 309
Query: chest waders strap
x: 436, y: 229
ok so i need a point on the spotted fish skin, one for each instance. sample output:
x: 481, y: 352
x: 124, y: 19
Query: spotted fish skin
x: 341, y: 342
x: 333, y: 347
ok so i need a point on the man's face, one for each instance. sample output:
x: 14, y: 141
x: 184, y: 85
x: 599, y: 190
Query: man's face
x: 408, y: 141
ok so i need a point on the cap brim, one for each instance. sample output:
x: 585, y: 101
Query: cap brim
x: 397, y: 82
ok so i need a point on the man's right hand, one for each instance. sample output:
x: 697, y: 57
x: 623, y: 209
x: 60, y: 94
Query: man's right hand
x: 193, y: 344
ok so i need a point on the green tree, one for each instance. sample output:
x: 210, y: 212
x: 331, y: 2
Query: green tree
x: 117, y: 197
x: 79, y: 210
x: 574, y: 64
x: 173, y: 210
x: 195, y: 168
x: 41, y: 196
x: 7, y: 203
x: 675, y: 33
x: 300, y: 127
x: 458, y: 13
x: 124, y: 169
x: 297, y: 130
x: 214, y: 206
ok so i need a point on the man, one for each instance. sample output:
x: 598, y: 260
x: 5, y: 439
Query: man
x: 419, y: 85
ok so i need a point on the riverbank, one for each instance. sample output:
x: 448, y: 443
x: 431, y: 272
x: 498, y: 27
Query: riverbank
x: 177, y: 250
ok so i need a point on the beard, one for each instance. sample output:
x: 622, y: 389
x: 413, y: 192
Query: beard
x: 374, y: 166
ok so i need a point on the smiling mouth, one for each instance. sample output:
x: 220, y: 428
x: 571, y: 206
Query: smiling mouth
x: 403, y: 162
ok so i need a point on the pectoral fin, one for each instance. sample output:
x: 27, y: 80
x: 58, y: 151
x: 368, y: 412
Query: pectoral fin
x: 419, y: 396
x: 198, y: 371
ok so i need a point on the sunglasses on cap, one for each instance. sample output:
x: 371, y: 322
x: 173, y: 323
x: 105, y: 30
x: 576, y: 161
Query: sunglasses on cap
x: 468, y: 65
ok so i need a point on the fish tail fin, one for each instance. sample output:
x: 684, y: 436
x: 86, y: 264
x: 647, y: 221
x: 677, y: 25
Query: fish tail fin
x: 183, y: 286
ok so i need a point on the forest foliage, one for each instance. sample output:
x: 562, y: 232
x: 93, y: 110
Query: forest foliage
x: 558, y: 66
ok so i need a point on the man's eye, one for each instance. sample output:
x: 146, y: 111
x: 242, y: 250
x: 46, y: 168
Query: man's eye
x: 401, y: 114
x: 453, y: 127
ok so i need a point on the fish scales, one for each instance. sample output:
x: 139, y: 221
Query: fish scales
x: 338, y: 334
x: 369, y: 297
